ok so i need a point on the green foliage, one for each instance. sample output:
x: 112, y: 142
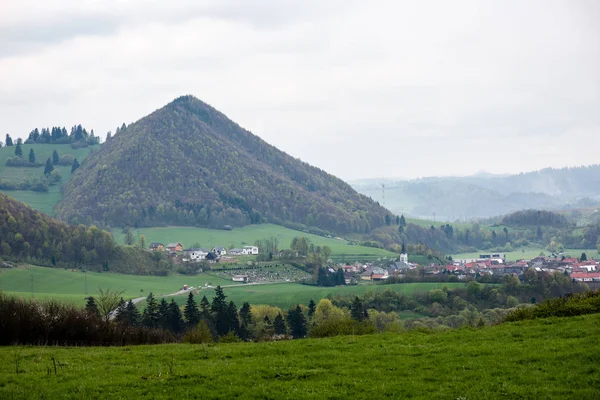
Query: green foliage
x: 566, y: 306
x: 207, y: 171
x: 199, y: 334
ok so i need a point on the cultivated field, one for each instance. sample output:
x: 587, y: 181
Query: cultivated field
x: 286, y: 295
x: 496, y: 362
x: 247, y: 235
x: 39, y: 200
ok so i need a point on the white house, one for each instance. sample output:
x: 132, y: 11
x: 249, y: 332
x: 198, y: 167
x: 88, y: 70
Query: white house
x: 250, y: 250
x: 240, y: 278
x: 235, y: 252
x: 220, y: 250
x: 197, y: 255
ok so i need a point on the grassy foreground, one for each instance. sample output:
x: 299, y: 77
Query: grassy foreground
x: 547, y: 358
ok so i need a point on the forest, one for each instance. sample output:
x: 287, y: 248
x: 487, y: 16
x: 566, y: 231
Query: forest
x: 27, y: 235
x: 188, y: 164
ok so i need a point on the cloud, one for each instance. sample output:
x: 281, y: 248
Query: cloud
x: 382, y: 88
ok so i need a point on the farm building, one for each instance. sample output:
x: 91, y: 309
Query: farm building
x: 220, y: 250
x: 155, y: 246
x: 250, y: 250
x: 240, y: 278
x: 173, y: 247
x: 235, y: 252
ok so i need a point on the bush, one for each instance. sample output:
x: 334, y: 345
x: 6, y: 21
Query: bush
x: 337, y: 327
x: 566, y: 306
x: 21, y: 162
x: 66, y: 159
x: 199, y: 334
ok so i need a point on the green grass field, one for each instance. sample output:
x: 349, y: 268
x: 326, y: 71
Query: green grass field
x: 247, y: 235
x: 44, y: 202
x: 530, y: 253
x: 540, y: 359
x: 70, y: 285
x: 286, y: 295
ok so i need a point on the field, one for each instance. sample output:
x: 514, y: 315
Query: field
x: 286, y: 295
x: 502, y: 361
x: 247, y: 235
x: 71, y: 285
x: 38, y: 200
x: 530, y: 253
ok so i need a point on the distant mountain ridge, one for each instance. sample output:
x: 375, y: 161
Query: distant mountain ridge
x: 483, y: 195
x: 188, y: 164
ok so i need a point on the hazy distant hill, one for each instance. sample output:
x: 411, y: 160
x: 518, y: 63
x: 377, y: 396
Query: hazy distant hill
x: 188, y: 164
x: 487, y: 195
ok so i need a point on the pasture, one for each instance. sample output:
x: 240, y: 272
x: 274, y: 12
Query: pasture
x: 41, y: 201
x: 73, y: 285
x: 529, y: 253
x: 247, y: 235
x: 502, y: 361
x: 286, y: 295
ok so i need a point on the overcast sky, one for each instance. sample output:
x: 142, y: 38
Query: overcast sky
x: 359, y: 88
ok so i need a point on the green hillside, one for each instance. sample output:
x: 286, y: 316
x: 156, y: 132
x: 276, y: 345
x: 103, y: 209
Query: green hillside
x: 42, y: 201
x: 188, y: 164
x: 247, y: 235
x: 502, y: 361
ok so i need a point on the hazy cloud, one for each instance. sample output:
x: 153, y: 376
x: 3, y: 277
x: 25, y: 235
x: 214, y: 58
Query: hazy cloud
x: 360, y: 89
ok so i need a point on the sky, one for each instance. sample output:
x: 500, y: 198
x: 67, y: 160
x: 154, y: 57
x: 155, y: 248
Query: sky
x: 396, y: 89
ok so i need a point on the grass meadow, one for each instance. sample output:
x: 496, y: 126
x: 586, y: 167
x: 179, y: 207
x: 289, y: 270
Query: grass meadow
x: 247, y: 235
x: 286, y: 295
x: 541, y: 359
x: 44, y: 202
x: 70, y: 285
x: 529, y: 253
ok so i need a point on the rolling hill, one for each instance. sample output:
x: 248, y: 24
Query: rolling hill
x: 188, y: 164
x: 485, y: 195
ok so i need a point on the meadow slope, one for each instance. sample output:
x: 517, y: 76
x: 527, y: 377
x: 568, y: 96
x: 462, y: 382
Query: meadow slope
x: 548, y: 358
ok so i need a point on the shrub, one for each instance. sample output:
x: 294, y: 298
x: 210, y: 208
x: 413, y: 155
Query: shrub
x: 565, y: 306
x: 199, y: 334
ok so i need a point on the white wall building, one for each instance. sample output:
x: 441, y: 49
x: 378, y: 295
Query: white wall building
x: 250, y: 250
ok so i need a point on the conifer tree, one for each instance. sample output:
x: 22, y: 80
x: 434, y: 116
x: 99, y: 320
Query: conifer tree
x: 357, y: 311
x: 49, y: 167
x: 121, y: 313
x: 133, y: 314
x: 18, y: 151
x: 150, y: 317
x: 220, y: 313
x: 75, y: 165
x: 174, y: 319
x: 279, y: 325
x: 8, y: 142
x: 31, y: 156
x: 163, y: 314
x: 91, y: 307
x: 233, y: 319
x: 297, y: 322
x: 311, y: 307
x: 205, y: 312
x: 245, y: 314
x: 191, y: 313
x: 55, y: 157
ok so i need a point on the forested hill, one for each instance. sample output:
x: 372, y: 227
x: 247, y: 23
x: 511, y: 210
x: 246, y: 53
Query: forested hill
x: 188, y: 164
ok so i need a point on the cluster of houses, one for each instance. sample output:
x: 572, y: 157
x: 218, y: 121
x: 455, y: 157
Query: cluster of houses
x: 203, y: 254
x: 490, y: 264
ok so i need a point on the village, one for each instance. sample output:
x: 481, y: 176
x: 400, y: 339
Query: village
x: 493, y: 265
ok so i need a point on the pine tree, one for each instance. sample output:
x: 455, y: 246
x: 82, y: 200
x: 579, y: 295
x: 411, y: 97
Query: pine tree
x: 357, y: 311
x: 311, y: 307
x: 18, y: 151
x: 150, y: 315
x: 174, y: 319
x: 233, y: 319
x: 397, y: 220
x: 339, y: 277
x: 191, y: 313
x: 279, y: 325
x: 245, y: 314
x: 220, y: 312
x: 296, y: 322
x: 402, y: 221
x: 55, y: 157
x: 163, y: 314
x: 91, y: 307
x: 133, y: 314
x: 8, y: 142
x: 121, y: 313
x: 205, y: 312
x: 75, y: 165
x: 31, y: 156
x: 49, y: 167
